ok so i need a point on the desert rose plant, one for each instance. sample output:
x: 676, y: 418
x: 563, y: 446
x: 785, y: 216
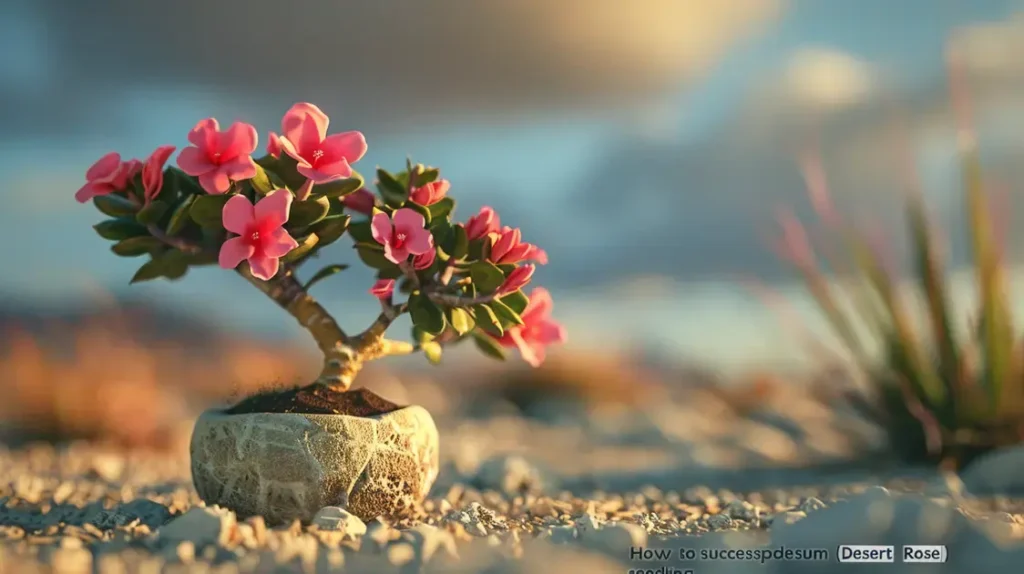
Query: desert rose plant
x: 265, y: 218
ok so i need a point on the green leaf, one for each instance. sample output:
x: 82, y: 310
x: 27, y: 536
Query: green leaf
x: 489, y: 346
x: 171, y: 265
x: 151, y: 214
x: 360, y: 231
x: 261, y: 181
x: 442, y: 209
x: 120, y: 228
x: 324, y: 273
x: 486, y: 276
x: 331, y: 228
x: 135, y: 246
x: 114, y: 205
x: 179, y: 218
x: 459, y: 242
x: 339, y: 188
x: 433, y: 351
x: 508, y: 316
x: 487, y: 320
x: 202, y: 258
x: 460, y: 320
x: 187, y: 184
x: 423, y: 175
x: 421, y: 336
x: 206, y: 210
x: 480, y: 249
x: 306, y: 245
x: 517, y: 301
x: 308, y: 212
x: 283, y: 169
x: 372, y: 254
x: 395, y: 194
x: 426, y: 314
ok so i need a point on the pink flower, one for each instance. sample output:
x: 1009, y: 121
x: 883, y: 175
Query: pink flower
x: 517, y: 279
x: 274, y: 145
x: 424, y: 260
x: 405, y: 236
x: 360, y: 201
x: 383, y: 289
x: 430, y: 193
x: 217, y: 158
x: 107, y: 175
x: 482, y: 223
x: 507, y: 247
x: 322, y: 158
x: 262, y: 238
x: 153, y: 171
x: 538, y: 330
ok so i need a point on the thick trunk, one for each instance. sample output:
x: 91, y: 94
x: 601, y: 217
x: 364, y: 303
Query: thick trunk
x: 342, y: 358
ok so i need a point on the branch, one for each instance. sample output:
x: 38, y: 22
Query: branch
x: 341, y: 360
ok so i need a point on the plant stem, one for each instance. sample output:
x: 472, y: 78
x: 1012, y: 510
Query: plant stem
x: 342, y: 359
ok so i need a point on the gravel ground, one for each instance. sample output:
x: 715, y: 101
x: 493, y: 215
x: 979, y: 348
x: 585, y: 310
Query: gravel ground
x: 558, y: 494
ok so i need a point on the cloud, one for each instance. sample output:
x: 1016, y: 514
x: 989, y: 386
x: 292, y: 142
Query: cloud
x: 389, y: 61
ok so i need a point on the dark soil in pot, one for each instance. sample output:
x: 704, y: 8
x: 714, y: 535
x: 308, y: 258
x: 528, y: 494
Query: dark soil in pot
x: 315, y: 400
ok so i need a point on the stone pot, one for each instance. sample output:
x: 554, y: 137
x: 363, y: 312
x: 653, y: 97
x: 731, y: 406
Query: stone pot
x: 285, y: 466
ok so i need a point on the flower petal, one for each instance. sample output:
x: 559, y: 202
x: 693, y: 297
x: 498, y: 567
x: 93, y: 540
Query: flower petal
x: 234, y: 251
x: 104, y: 167
x: 277, y: 243
x: 383, y: 288
x: 153, y: 171
x: 238, y: 215
x: 540, y: 305
x: 263, y: 267
x: 408, y: 220
x: 204, y: 134
x: 194, y: 162
x: 91, y: 190
x: 319, y: 175
x: 239, y: 169
x: 396, y: 255
x: 215, y: 182
x: 239, y: 140
x: 293, y: 121
x: 380, y: 228
x: 420, y: 241
x: 272, y: 211
x: 550, y: 332
x: 350, y: 146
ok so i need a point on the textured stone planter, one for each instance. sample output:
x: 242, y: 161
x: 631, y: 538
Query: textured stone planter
x: 287, y: 465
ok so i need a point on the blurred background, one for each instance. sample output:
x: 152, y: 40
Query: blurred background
x: 643, y: 145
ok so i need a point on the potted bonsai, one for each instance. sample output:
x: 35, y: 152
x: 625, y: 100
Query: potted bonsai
x: 287, y: 453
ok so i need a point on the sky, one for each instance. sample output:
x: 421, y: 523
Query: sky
x: 644, y: 145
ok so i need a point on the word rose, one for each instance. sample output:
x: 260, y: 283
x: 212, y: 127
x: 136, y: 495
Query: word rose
x: 267, y: 217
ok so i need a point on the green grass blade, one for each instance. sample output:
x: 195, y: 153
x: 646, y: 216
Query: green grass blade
x: 931, y: 277
x: 997, y: 336
x: 908, y: 354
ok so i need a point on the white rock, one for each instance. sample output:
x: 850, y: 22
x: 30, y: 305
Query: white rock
x: 428, y: 540
x: 401, y: 553
x: 201, y: 525
x: 616, y: 538
x: 998, y: 472
x: 788, y: 517
x: 587, y: 524
x: 561, y: 534
x: 719, y: 521
x: 511, y: 475
x: 337, y: 518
